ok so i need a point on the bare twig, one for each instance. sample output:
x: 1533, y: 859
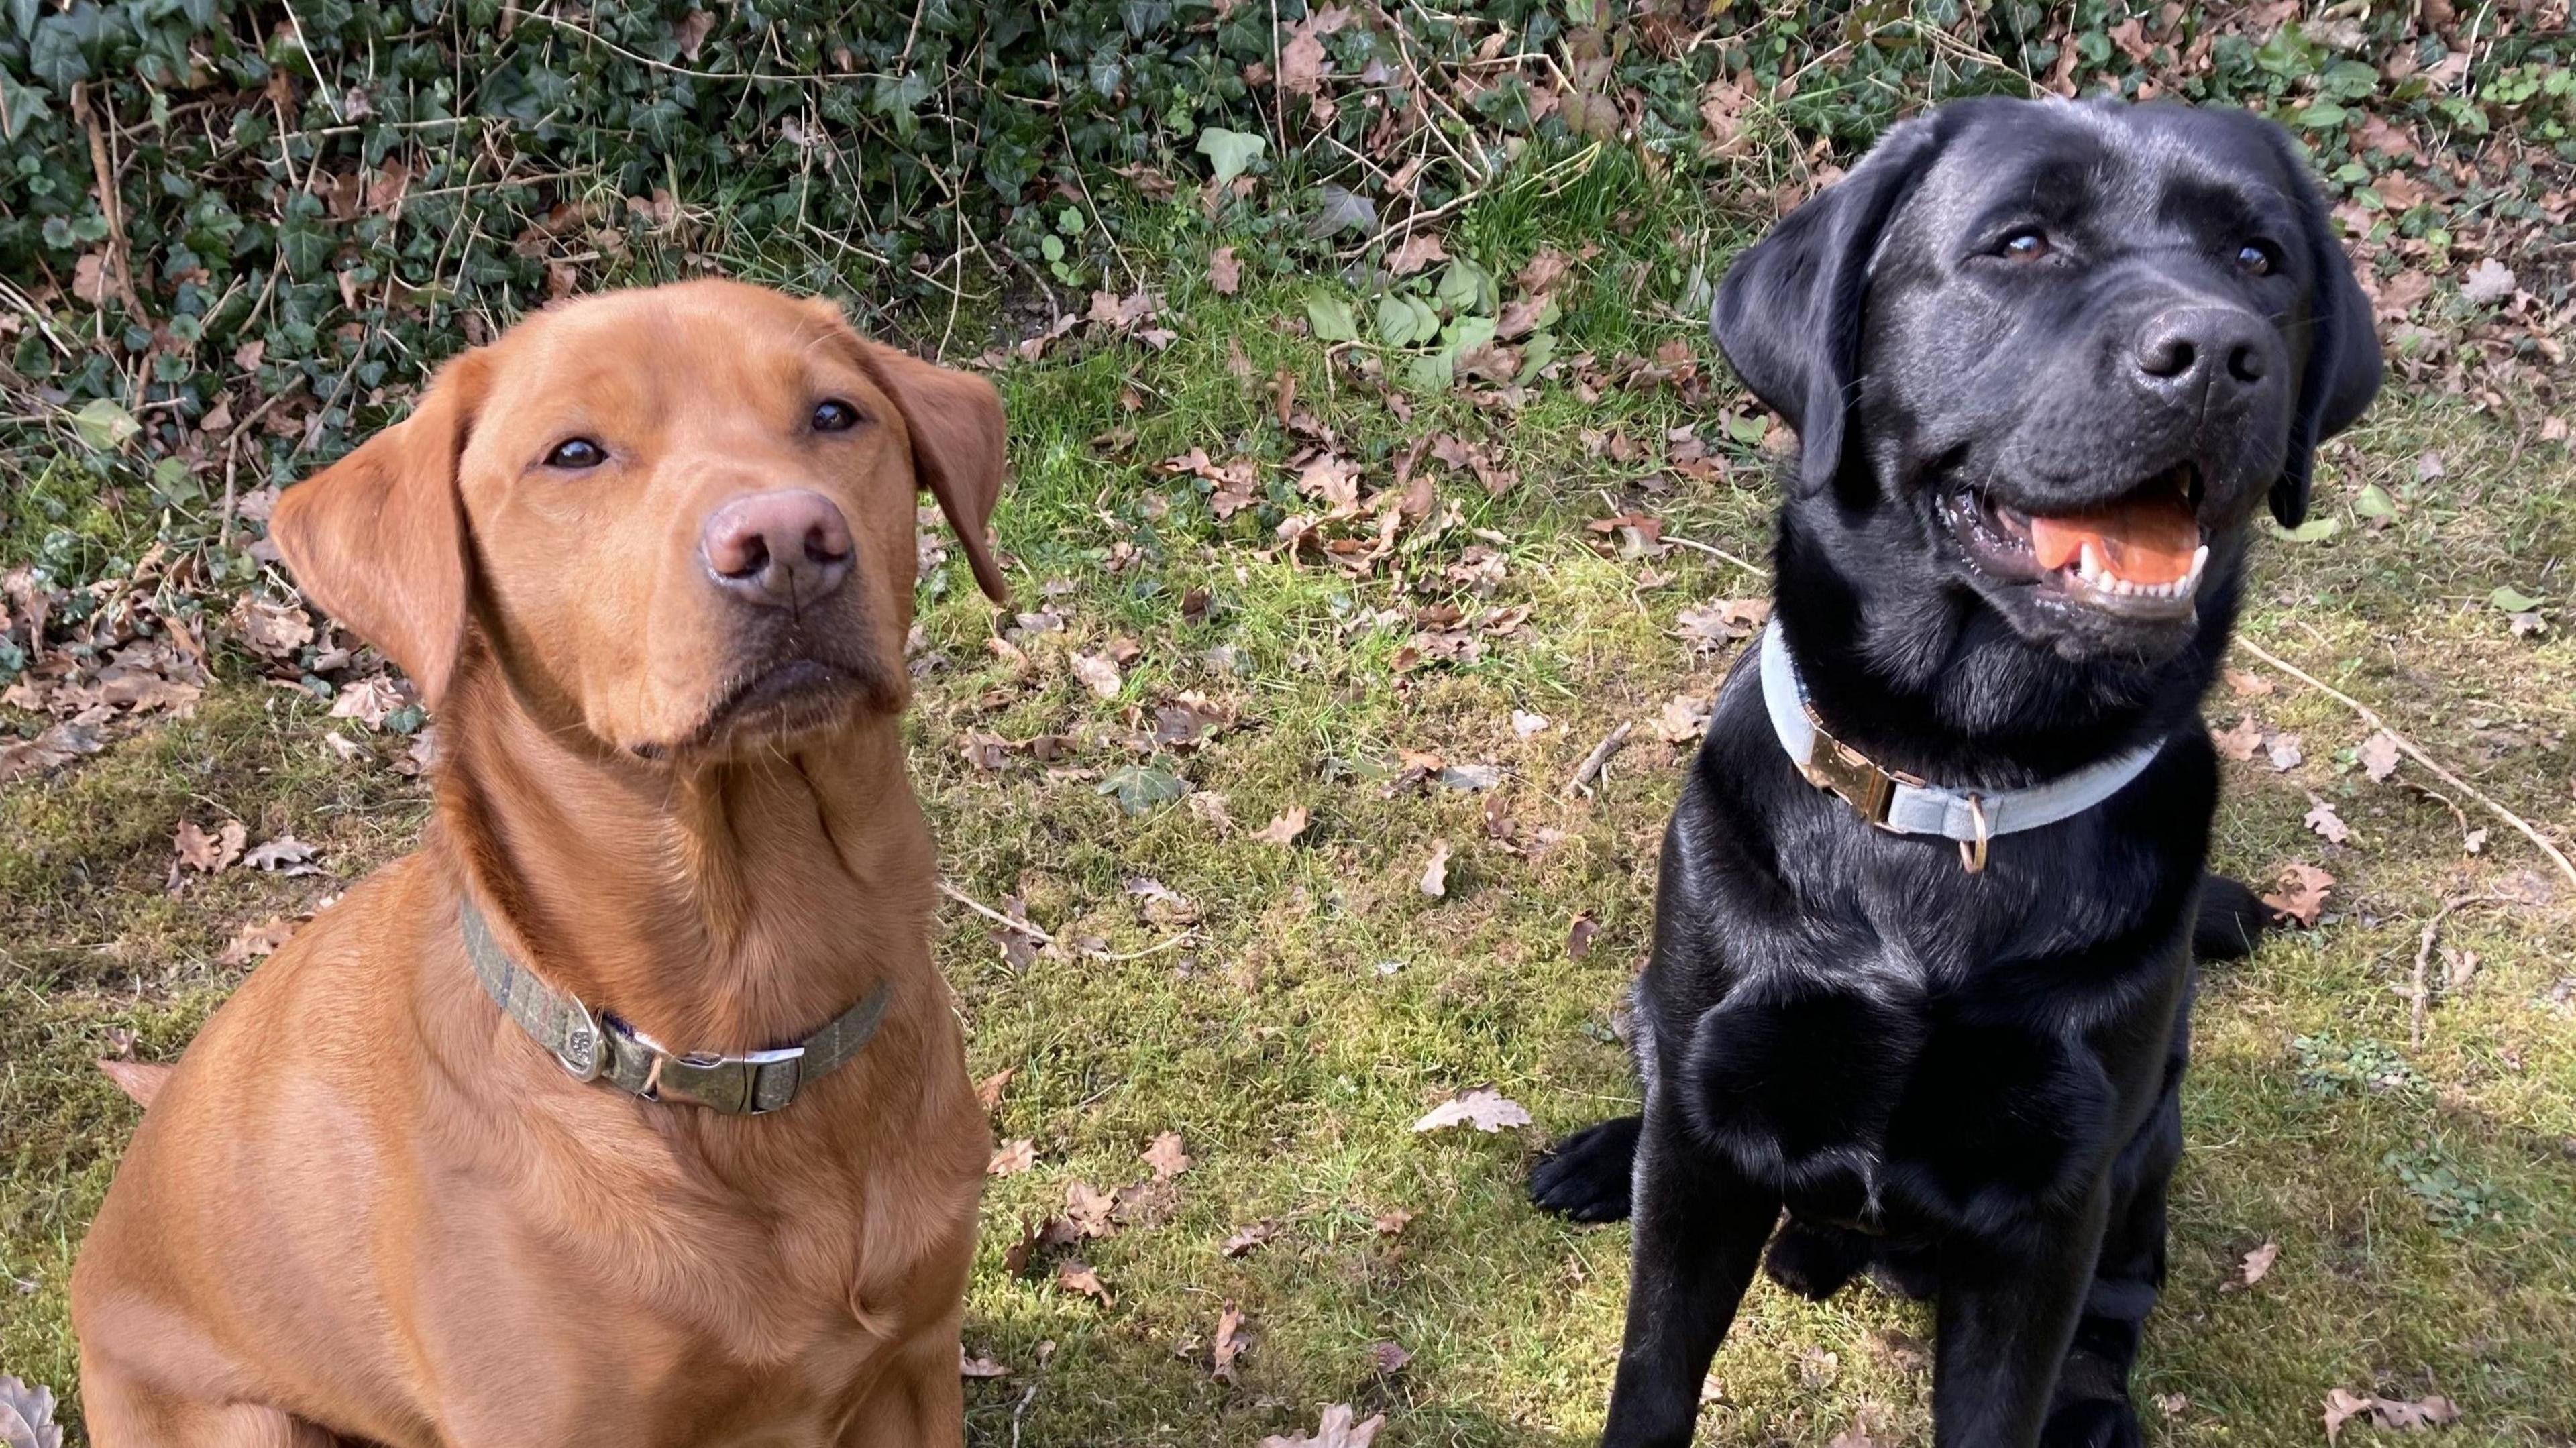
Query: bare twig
x: 648, y: 62
x: 110, y: 204
x: 1591, y: 767
x: 2424, y: 959
x: 1714, y: 552
x: 996, y: 916
x: 2371, y: 717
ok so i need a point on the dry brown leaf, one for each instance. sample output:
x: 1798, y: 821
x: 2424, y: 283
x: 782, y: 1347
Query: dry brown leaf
x: 1683, y: 718
x: 1578, y: 937
x: 1284, y: 827
x: 1229, y: 1343
x: 1414, y: 253
x: 1435, y: 875
x: 369, y: 701
x: 978, y: 1367
x: 2259, y: 1262
x: 1391, y: 1221
x: 1098, y: 674
x: 1483, y: 1108
x: 1246, y: 1239
x: 2300, y: 893
x: 1089, y: 1210
x: 1335, y: 1431
x: 1166, y: 1157
x: 2250, y: 685
x: 2284, y: 752
x: 2379, y: 755
x: 1301, y: 60
x: 2321, y: 817
x: 284, y: 855
x: 988, y: 1091
x: 1224, y: 272
x: 2242, y: 740
x: 2401, y: 1414
x: 1012, y: 1158
x: 210, y: 854
x: 257, y: 939
x: 1077, y: 1277
x: 1389, y: 1358
x: 277, y: 630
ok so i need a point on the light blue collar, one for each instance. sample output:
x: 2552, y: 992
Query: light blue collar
x: 1904, y: 805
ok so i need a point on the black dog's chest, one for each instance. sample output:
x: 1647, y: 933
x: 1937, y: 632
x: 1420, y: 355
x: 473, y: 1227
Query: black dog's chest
x: 1885, y: 1114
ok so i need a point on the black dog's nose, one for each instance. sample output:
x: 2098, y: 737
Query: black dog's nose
x: 777, y: 549
x: 2186, y: 352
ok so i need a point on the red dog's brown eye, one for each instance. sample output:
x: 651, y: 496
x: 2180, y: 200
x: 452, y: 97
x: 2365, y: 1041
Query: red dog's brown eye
x: 576, y: 454
x: 2027, y: 244
x: 834, y: 415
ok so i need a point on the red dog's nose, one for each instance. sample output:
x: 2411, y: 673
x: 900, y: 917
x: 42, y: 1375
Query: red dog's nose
x: 781, y: 550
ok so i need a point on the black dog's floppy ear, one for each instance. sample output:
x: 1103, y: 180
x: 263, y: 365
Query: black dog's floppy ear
x: 1788, y: 314
x: 2343, y: 347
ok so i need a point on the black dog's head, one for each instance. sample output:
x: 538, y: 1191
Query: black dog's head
x: 2063, y: 349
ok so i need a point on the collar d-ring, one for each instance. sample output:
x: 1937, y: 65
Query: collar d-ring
x: 1972, y: 853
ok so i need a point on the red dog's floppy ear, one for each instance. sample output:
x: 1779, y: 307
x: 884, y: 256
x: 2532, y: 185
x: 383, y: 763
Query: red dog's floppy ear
x: 378, y: 538
x: 955, y: 419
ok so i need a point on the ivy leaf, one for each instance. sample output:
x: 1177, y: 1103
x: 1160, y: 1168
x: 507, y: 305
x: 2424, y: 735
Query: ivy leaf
x: 1467, y: 287
x: 105, y: 425
x: 2315, y: 530
x: 1342, y: 210
x: 2512, y: 599
x: 1331, y: 319
x: 1140, y: 787
x: 1230, y: 152
x: 2374, y: 502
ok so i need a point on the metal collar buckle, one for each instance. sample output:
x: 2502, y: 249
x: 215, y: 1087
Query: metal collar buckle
x: 584, y: 1052
x: 1833, y: 765
x: 752, y: 1084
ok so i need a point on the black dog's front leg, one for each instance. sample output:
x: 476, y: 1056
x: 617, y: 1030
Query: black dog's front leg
x: 1700, y: 1228
x: 2007, y: 1313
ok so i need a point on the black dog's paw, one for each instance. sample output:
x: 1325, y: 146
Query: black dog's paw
x: 1813, y: 1261
x: 2231, y: 920
x: 1586, y: 1176
x: 1910, y: 1272
x: 2093, y: 1423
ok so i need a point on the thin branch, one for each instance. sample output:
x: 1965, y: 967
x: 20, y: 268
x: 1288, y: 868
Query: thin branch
x: 1593, y: 763
x: 2371, y: 717
x: 996, y: 916
x: 2424, y: 959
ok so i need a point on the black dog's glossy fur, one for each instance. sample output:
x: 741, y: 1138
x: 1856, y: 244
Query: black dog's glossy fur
x: 1968, y: 1082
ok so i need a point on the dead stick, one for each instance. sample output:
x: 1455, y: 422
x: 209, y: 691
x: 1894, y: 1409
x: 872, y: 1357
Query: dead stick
x: 2424, y: 960
x: 2371, y: 717
x: 1590, y: 768
x: 996, y: 916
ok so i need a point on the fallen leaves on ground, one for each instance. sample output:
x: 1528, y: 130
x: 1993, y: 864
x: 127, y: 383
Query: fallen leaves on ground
x: 2321, y: 817
x: 1012, y: 1158
x: 989, y: 1090
x: 2240, y: 740
x: 1245, y: 1239
x: 1224, y: 273
x: 370, y: 701
x: 978, y: 1367
x: 285, y: 855
x: 1076, y: 1276
x: 257, y: 939
x: 2343, y: 1405
x: 1229, y: 1343
x: 1483, y: 1108
x: 1284, y: 827
x: 2299, y: 893
x: 1166, y: 1157
x: 1389, y: 1358
x: 1336, y: 1430
x: 2258, y: 1263
x: 1098, y: 674
x: 1435, y: 875
x: 210, y: 854
x: 2379, y: 754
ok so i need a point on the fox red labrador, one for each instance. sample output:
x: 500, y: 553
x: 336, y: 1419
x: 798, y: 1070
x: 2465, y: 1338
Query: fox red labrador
x: 630, y: 1110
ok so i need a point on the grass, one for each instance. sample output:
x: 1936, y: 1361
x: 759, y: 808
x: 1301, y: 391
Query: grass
x: 1322, y: 1002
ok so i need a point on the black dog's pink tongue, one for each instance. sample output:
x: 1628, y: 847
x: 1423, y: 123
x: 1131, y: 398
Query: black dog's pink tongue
x: 2139, y: 540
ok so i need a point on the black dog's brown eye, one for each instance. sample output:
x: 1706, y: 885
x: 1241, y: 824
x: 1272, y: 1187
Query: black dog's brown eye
x: 2027, y: 244
x: 834, y: 415
x: 2254, y: 259
x: 576, y: 454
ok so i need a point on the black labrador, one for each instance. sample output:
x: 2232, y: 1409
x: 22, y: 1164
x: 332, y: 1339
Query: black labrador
x: 2045, y: 361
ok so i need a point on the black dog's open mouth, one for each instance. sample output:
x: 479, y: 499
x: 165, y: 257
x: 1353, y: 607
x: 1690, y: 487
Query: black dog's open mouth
x: 2139, y: 555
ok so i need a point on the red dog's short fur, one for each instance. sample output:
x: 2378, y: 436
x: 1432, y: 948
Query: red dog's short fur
x: 367, y: 1204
